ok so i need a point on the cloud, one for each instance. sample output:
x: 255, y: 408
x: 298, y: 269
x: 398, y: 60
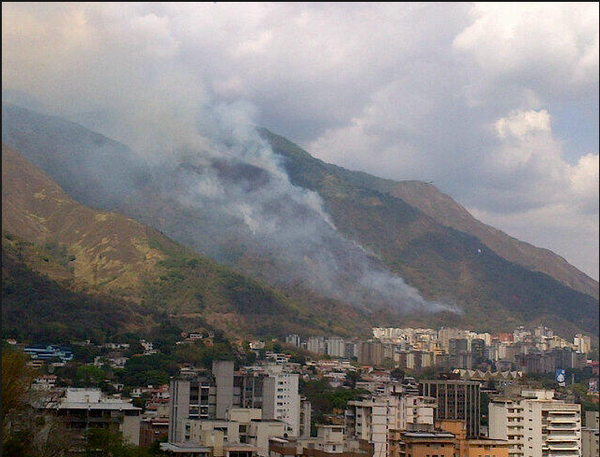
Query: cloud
x: 536, y: 195
x: 461, y: 94
x: 530, y: 159
x: 521, y: 123
x: 552, y: 48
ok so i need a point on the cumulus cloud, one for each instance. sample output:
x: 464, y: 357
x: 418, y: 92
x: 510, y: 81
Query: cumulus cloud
x: 471, y: 96
x: 533, y: 188
x: 530, y: 156
x: 521, y: 123
x: 551, y: 47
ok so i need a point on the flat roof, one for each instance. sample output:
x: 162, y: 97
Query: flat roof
x: 487, y: 441
x: 240, y: 447
x: 183, y: 447
x: 96, y: 406
x: 428, y: 435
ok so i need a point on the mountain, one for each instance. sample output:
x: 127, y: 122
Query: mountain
x: 306, y: 169
x: 426, y: 248
x: 38, y: 308
x: 117, y: 266
x: 81, y: 161
x: 411, y: 232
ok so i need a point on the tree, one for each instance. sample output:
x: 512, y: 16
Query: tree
x: 103, y: 442
x: 89, y: 376
x: 353, y: 377
x: 17, y: 378
x: 25, y: 431
x: 397, y: 374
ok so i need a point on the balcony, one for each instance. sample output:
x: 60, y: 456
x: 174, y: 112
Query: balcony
x: 561, y: 420
x: 563, y: 447
x: 562, y: 439
x: 558, y: 426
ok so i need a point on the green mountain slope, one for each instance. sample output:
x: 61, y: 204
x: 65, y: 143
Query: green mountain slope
x: 308, y: 171
x: 442, y: 262
x: 37, y: 308
x: 100, y: 253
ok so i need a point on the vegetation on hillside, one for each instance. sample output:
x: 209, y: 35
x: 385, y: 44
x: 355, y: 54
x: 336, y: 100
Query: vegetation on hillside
x: 443, y: 263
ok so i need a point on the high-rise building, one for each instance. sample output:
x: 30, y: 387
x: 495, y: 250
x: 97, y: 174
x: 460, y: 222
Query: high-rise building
x: 400, y: 407
x: 582, y: 343
x: 281, y: 400
x: 535, y: 424
x: 370, y: 420
x: 293, y: 339
x: 211, y: 396
x: 455, y: 399
x: 370, y: 353
x: 336, y: 347
x: 350, y: 350
x: 565, y: 358
x: 458, y: 345
x: 316, y: 344
x: 478, y: 350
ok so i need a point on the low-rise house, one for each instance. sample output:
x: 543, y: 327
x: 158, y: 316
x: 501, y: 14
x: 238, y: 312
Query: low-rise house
x: 45, y: 382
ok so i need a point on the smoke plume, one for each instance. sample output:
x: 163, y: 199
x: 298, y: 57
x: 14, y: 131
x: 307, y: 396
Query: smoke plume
x: 195, y: 168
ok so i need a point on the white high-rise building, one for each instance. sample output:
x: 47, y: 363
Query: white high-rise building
x: 535, y: 424
x: 336, y: 347
x: 316, y: 344
x: 370, y: 420
x: 281, y: 400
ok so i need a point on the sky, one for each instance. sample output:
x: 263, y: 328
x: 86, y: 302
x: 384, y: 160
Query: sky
x: 497, y: 104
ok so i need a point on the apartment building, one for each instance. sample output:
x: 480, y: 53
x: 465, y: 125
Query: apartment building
x: 472, y: 447
x: 336, y: 347
x: 404, y: 443
x: 294, y: 340
x: 316, y: 344
x: 81, y: 409
x: 370, y: 420
x: 242, y: 427
x: 456, y: 399
x: 370, y: 353
x: 535, y: 423
x: 582, y: 343
x: 399, y: 408
x: 210, y: 396
x: 281, y: 400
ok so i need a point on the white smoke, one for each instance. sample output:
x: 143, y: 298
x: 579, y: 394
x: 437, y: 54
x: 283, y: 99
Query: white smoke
x: 222, y: 188
x: 237, y: 197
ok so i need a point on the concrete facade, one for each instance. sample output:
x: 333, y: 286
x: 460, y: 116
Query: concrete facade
x: 536, y: 424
